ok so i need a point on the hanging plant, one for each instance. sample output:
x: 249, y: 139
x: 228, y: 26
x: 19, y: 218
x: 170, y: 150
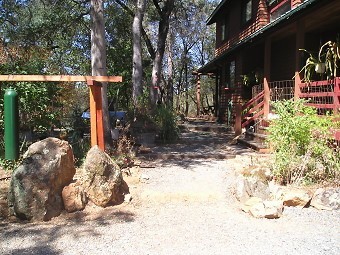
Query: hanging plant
x: 310, y: 68
x: 331, y: 54
x: 327, y: 61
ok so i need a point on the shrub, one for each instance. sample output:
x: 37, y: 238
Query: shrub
x: 165, y: 120
x: 300, y: 140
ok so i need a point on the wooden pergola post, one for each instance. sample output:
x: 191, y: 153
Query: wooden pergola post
x: 96, y: 114
x: 94, y: 83
x: 198, y: 94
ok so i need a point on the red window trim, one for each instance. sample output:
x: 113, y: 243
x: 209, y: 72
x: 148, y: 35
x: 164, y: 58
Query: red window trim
x: 278, y: 6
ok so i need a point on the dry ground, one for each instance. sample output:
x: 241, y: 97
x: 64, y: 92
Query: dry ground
x: 184, y: 205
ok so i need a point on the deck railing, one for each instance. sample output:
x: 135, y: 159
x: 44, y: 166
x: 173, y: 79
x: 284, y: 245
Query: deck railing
x: 323, y: 95
x: 279, y: 90
x: 240, y: 36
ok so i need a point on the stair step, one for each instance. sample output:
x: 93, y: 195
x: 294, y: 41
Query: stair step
x: 263, y: 128
x: 255, y: 136
x: 255, y: 141
x: 260, y: 147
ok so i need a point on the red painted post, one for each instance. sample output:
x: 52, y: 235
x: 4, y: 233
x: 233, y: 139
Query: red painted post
x: 336, y: 95
x: 96, y: 114
x: 299, y: 44
x: 198, y: 94
x: 266, y: 79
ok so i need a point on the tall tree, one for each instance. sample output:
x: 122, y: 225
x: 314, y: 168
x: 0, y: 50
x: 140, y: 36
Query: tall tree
x: 98, y: 60
x: 164, y: 9
x: 137, y: 68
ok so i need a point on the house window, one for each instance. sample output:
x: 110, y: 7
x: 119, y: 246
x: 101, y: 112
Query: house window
x: 230, y: 75
x: 247, y: 11
x: 224, y: 30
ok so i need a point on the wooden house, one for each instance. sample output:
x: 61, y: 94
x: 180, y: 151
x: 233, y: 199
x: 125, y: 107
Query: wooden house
x: 257, y: 57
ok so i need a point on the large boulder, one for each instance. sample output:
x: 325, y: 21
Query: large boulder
x: 36, y: 185
x: 102, y: 179
x: 326, y: 199
x: 270, y: 209
x: 247, y: 187
x: 296, y: 197
x: 267, y: 209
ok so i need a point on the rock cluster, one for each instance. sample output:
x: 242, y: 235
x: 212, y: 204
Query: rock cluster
x: 265, y: 199
x: 43, y: 185
x: 100, y: 181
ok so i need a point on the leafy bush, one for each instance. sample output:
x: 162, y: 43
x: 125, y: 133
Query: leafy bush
x: 300, y: 140
x: 165, y: 120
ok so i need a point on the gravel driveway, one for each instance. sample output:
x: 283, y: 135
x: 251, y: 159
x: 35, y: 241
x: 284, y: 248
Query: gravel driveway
x: 180, y: 206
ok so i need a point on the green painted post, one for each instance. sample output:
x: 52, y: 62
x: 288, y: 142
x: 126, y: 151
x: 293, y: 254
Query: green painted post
x: 11, y: 119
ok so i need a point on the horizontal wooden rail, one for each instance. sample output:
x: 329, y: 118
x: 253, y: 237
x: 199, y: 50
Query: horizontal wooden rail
x: 322, y: 106
x: 258, y: 114
x: 254, y: 99
x: 316, y: 83
x: 319, y: 94
x: 253, y: 110
x: 61, y: 78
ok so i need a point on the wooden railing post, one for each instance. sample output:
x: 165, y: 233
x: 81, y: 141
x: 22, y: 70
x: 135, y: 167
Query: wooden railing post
x: 266, y: 79
x: 299, y: 44
x: 336, y: 95
x: 96, y: 114
x: 238, y: 114
x: 198, y: 94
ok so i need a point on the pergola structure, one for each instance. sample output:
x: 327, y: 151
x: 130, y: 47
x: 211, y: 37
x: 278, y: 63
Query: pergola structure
x: 94, y: 83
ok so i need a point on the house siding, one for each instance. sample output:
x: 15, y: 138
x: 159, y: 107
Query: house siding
x: 237, y: 31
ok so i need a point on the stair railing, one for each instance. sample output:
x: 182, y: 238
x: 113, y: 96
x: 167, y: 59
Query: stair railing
x: 252, y: 111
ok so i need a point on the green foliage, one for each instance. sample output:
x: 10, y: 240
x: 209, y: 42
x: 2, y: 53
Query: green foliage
x: 300, y: 140
x: 165, y: 120
x: 323, y: 63
x: 37, y: 101
x: 10, y: 165
x: 80, y: 148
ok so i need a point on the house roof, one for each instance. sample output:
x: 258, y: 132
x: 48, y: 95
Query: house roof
x: 287, y: 16
x: 212, y: 17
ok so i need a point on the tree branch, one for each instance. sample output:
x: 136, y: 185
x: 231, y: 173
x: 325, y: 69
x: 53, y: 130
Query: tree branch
x: 156, y: 4
x: 145, y: 36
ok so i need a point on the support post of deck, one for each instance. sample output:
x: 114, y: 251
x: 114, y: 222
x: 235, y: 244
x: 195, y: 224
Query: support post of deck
x: 96, y: 114
x: 198, y: 94
x: 266, y: 76
x: 336, y: 95
x: 299, y: 44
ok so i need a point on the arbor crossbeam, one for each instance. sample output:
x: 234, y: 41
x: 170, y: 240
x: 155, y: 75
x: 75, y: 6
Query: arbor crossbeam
x: 94, y: 83
x: 64, y: 78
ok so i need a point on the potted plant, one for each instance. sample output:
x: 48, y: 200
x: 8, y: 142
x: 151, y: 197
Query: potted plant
x: 331, y: 54
x: 313, y: 65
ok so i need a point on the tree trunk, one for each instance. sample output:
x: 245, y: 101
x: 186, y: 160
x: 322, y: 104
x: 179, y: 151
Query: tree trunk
x: 169, y: 88
x: 98, y: 60
x: 163, y: 29
x: 186, y: 89
x: 137, y: 69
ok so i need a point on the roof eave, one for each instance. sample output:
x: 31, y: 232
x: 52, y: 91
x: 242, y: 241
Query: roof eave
x: 212, y: 16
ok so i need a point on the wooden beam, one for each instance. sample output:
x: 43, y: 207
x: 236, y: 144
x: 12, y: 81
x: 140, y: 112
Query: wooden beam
x: 96, y: 115
x: 61, y: 78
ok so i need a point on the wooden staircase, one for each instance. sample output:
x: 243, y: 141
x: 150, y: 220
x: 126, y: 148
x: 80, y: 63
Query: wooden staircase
x: 254, y: 124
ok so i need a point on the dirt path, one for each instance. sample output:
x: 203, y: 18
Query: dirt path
x: 180, y: 206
